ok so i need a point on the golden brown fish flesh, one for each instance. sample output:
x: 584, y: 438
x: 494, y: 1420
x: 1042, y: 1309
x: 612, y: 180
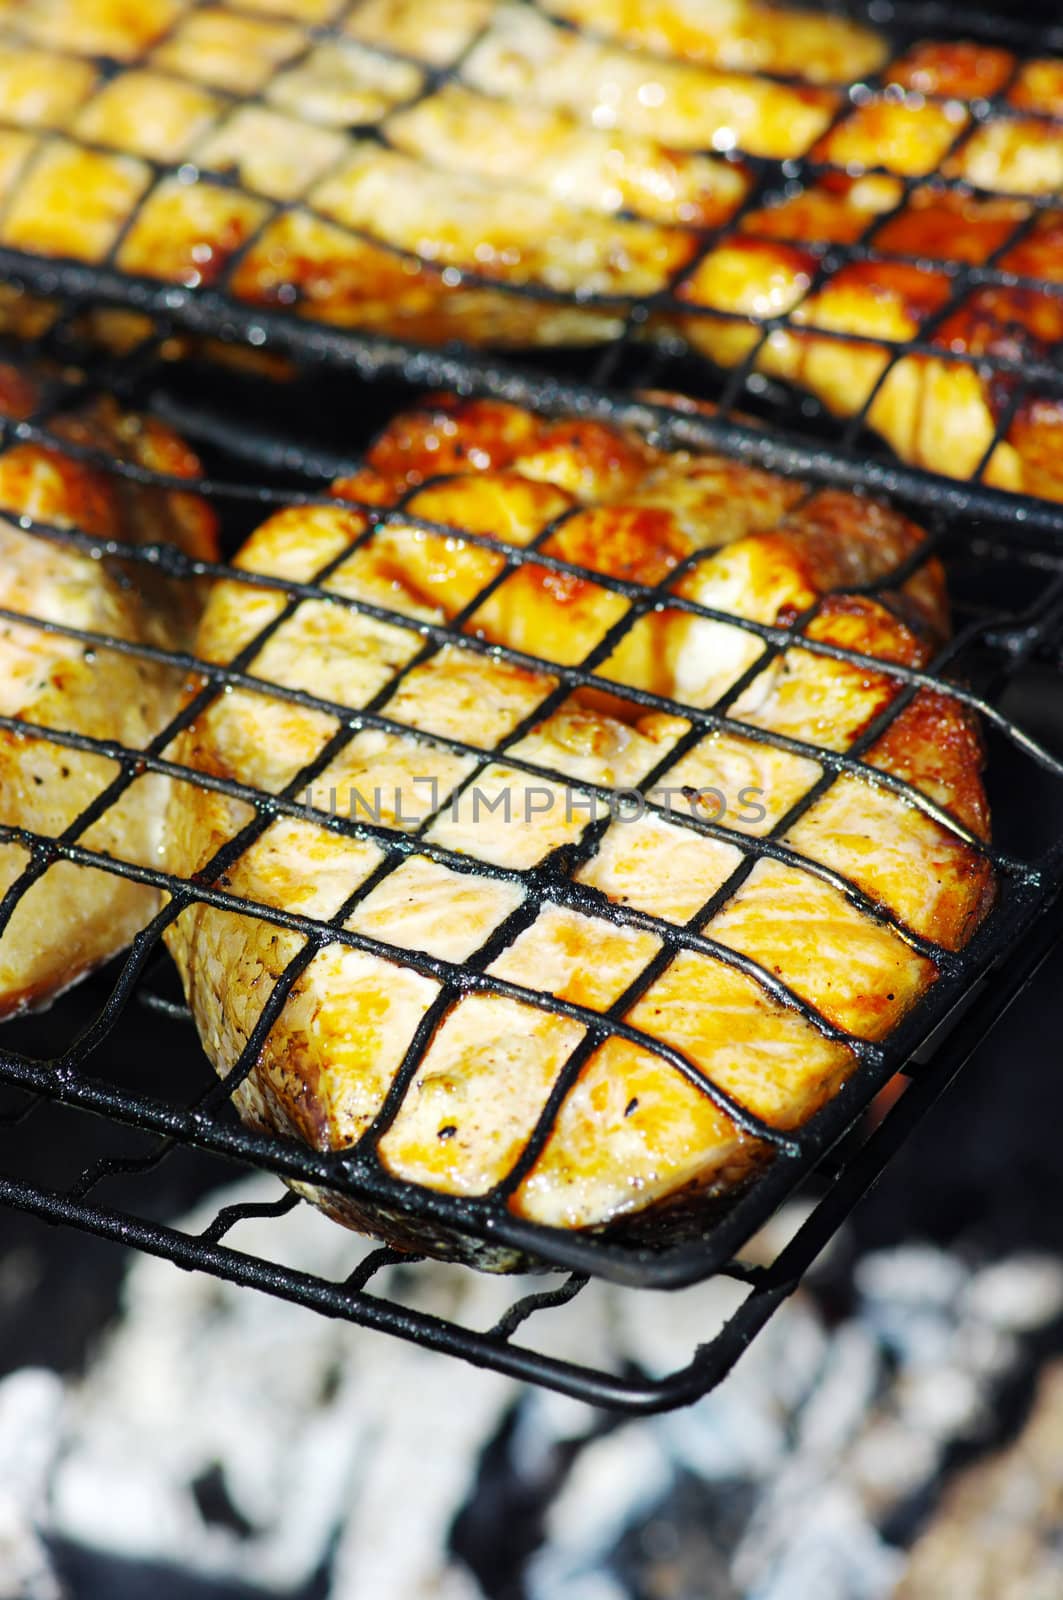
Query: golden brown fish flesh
x: 74, y: 917
x: 526, y: 174
x: 481, y: 783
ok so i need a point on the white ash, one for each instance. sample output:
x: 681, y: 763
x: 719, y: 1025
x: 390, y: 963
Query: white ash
x: 30, y: 1407
x: 614, y: 1481
x: 328, y: 1438
x: 1020, y: 1293
x: 319, y: 1431
x: 837, y: 1429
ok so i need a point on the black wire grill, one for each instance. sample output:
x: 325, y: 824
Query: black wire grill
x: 1017, y: 363
x: 1006, y: 574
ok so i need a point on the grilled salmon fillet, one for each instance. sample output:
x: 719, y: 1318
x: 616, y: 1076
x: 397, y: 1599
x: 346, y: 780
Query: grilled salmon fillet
x: 74, y: 917
x: 578, y: 837
x: 524, y: 173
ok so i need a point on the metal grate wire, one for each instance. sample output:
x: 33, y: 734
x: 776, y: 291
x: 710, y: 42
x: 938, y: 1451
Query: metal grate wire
x: 991, y: 553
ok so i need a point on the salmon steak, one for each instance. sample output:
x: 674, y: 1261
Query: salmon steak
x: 779, y: 187
x: 619, y: 833
x: 73, y: 917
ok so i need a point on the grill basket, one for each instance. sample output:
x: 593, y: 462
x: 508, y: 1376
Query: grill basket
x: 86, y: 1056
x: 653, y: 332
x: 1006, y: 577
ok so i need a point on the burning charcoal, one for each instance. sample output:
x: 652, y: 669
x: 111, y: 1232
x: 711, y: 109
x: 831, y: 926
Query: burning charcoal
x: 996, y: 1536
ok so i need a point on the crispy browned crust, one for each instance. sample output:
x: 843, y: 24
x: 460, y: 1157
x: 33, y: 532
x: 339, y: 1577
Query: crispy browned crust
x: 582, y: 152
x: 937, y: 411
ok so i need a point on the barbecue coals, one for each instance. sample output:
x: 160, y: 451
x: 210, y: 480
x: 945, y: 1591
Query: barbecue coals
x: 234, y: 1438
x: 997, y: 1536
x: 870, y: 218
